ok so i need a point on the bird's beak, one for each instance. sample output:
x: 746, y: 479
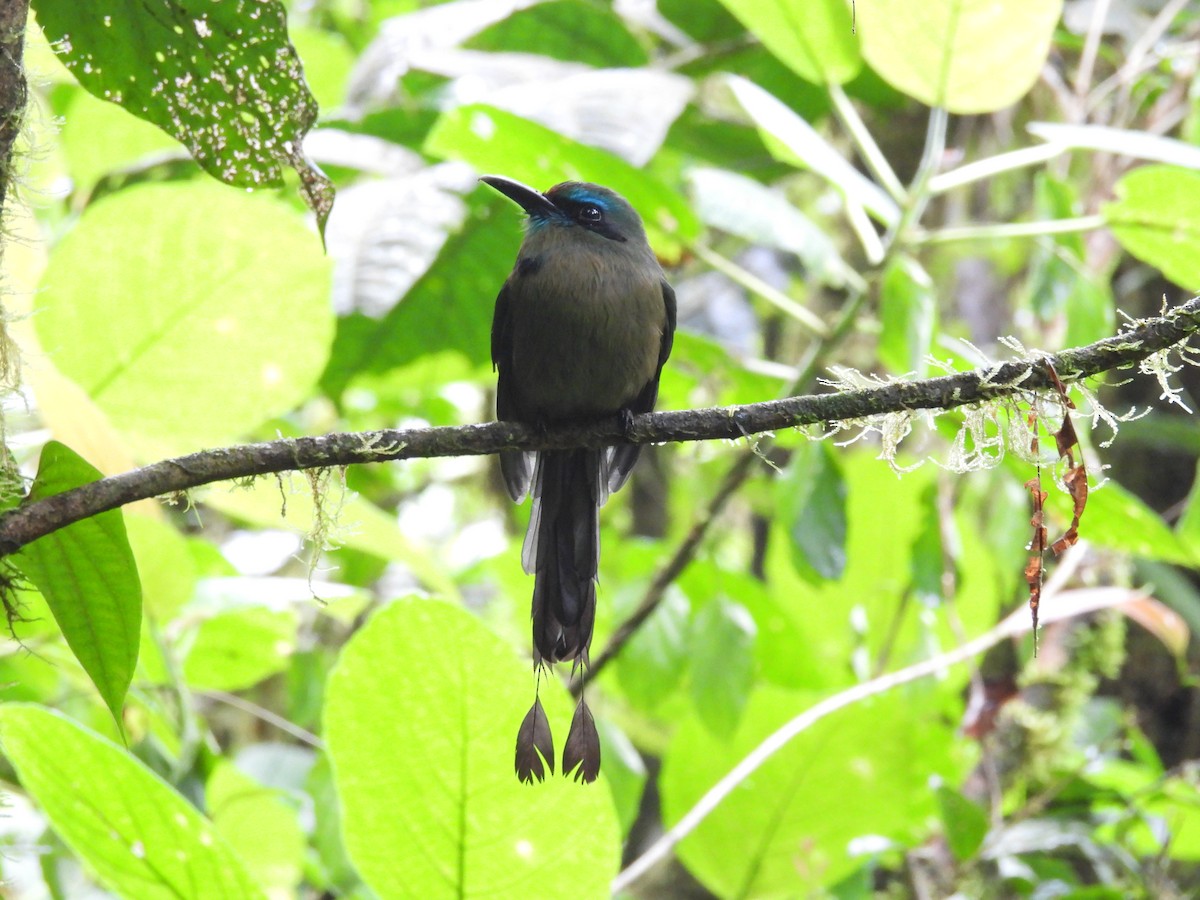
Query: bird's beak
x: 533, y: 202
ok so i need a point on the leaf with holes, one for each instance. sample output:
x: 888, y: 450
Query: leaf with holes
x: 221, y: 78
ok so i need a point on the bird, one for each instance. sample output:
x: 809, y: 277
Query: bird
x: 581, y: 330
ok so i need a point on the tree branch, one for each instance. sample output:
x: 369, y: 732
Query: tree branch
x: 1133, y: 345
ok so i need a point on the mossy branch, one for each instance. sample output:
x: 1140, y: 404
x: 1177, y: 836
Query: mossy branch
x: 1134, y: 345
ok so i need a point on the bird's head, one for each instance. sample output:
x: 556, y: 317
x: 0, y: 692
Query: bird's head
x: 575, y: 204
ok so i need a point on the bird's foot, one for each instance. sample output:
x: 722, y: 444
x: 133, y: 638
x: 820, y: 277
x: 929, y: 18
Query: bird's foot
x: 625, y: 420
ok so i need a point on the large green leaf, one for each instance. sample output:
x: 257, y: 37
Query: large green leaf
x: 189, y: 313
x: 88, y: 576
x: 493, y: 140
x: 968, y: 56
x: 864, y: 770
x: 220, y: 77
x: 814, y: 39
x: 1156, y: 217
x: 421, y: 716
x: 137, y: 834
x: 239, y: 648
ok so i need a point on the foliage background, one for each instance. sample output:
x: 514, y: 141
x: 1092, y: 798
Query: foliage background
x: 310, y: 686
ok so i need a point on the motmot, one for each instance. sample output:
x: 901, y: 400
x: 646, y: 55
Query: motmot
x: 580, y: 333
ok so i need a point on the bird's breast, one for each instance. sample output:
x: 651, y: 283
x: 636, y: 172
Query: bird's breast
x: 586, y: 334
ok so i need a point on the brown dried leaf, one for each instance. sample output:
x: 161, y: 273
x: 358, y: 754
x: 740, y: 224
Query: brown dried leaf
x: 1066, y: 438
x: 1076, y: 483
x: 582, y: 749
x: 1035, y: 569
x: 535, y: 744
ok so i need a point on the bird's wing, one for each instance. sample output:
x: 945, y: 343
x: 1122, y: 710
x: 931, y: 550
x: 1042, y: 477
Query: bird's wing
x: 618, y: 462
x: 515, y: 465
x: 668, y: 336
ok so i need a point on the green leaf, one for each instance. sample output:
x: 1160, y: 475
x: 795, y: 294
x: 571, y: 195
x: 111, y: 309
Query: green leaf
x: 421, y: 715
x: 814, y: 39
x: 908, y: 314
x: 257, y: 821
x: 706, y: 21
x: 235, y: 650
x: 1117, y: 519
x: 567, y: 30
x: 884, y: 519
x: 967, y: 56
x: 966, y: 822
x: 328, y: 62
x: 493, y: 140
x: 130, y: 828
x: 1187, y: 529
x: 654, y: 661
x: 1156, y: 217
x: 448, y: 309
x: 88, y: 576
x: 815, y: 498
x: 787, y: 829
x: 722, y: 651
x: 929, y: 554
x: 188, y: 312
x: 220, y: 77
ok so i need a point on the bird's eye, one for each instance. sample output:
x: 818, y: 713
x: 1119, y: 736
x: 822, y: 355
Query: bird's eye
x: 590, y: 214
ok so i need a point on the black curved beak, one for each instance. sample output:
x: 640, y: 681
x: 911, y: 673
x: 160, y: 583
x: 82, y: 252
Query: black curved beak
x: 535, y: 203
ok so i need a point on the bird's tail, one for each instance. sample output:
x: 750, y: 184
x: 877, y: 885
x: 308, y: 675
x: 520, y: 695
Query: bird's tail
x: 562, y: 551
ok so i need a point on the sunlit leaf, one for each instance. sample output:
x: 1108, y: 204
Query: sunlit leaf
x: 189, y: 313
x: 968, y: 56
x: 814, y: 39
x: 421, y: 716
x: 1156, y: 217
x: 132, y: 830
